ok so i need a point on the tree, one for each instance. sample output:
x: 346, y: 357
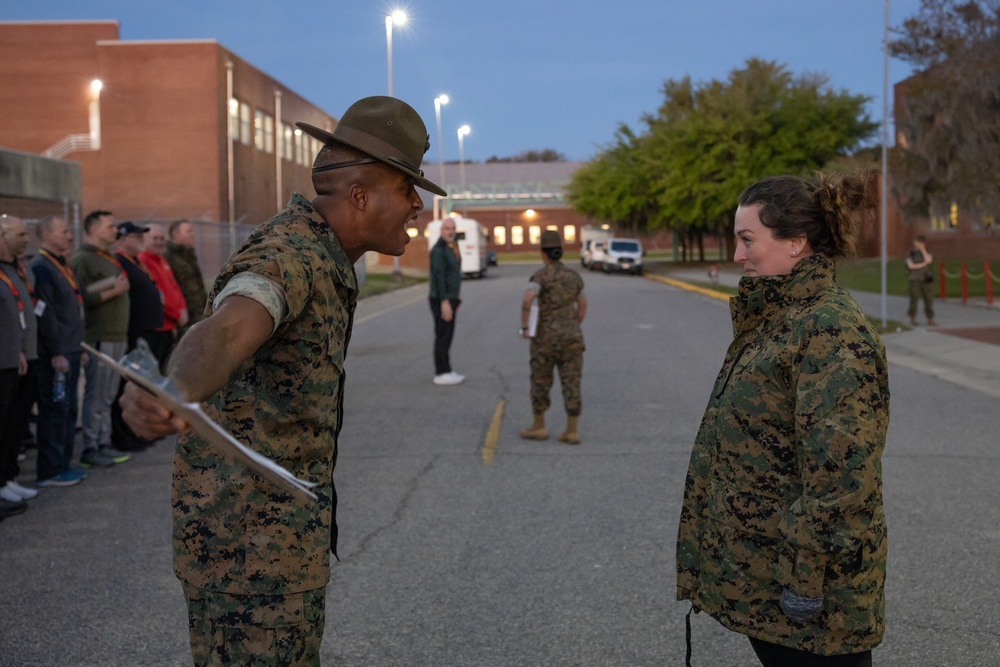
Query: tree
x: 544, y: 155
x: 948, y: 121
x: 707, y: 142
x: 613, y: 186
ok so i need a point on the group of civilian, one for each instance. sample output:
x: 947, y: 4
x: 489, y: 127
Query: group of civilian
x: 124, y: 283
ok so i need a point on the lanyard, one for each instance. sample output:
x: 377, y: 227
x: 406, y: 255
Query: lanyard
x: 17, y: 297
x: 65, y: 271
x: 139, y: 265
x: 109, y: 257
x: 23, y: 275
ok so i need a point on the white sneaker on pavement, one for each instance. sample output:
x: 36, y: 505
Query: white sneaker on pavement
x: 449, y: 378
x: 22, y: 492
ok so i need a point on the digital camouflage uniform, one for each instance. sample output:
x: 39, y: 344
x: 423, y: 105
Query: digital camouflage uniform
x: 184, y: 265
x: 558, y: 340
x: 784, y: 488
x: 235, y: 533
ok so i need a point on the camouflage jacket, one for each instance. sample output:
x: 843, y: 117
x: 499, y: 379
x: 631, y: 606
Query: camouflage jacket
x: 233, y: 531
x: 184, y: 265
x: 559, y: 289
x: 784, y: 487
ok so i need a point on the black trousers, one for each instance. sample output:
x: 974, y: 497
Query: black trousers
x: 774, y: 655
x: 10, y: 436
x: 443, y: 333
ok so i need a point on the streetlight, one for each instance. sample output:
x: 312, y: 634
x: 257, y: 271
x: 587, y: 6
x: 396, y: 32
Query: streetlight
x: 398, y: 17
x: 462, y: 131
x: 440, y: 101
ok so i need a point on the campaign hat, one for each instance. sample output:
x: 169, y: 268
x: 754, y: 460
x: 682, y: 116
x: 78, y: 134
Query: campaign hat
x: 551, y: 239
x: 385, y: 128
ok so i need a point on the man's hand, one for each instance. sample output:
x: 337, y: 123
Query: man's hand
x: 145, y: 416
x: 446, y: 312
x: 60, y: 364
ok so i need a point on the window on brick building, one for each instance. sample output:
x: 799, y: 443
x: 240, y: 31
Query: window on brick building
x: 517, y: 235
x: 286, y: 142
x: 569, y: 234
x: 263, y: 131
x: 244, y: 123
x: 500, y: 235
x: 534, y: 235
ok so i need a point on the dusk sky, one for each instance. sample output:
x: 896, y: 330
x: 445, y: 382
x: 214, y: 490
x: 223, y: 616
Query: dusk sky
x: 524, y: 74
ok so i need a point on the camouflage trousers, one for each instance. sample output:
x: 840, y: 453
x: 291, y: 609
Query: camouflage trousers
x: 546, y: 358
x: 919, y: 289
x: 255, y: 629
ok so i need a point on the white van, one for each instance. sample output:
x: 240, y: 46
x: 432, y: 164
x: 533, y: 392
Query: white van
x: 471, y: 238
x: 619, y: 254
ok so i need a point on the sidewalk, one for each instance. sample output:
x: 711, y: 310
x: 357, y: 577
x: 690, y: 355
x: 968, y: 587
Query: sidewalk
x: 964, y: 348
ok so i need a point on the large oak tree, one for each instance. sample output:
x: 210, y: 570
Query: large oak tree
x: 708, y: 141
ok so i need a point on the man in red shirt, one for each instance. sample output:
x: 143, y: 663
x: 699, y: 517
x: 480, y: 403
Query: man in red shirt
x: 175, y: 314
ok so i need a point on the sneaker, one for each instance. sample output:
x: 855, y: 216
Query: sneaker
x: 115, y: 455
x: 24, y: 493
x: 10, y: 508
x: 449, y: 378
x: 95, y: 458
x: 68, y: 478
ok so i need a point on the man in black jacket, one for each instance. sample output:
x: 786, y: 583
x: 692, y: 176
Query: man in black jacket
x: 60, y: 331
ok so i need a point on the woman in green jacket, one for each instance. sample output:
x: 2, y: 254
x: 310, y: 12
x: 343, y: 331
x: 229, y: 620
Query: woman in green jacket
x: 782, y: 535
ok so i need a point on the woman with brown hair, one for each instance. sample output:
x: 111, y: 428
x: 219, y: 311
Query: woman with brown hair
x: 782, y: 534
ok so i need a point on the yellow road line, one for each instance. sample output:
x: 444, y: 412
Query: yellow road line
x: 493, y: 434
x: 722, y: 296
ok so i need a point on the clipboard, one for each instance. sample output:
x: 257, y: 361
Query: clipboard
x: 141, y: 367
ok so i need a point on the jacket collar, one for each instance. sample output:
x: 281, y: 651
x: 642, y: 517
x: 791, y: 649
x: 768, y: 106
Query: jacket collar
x: 761, y: 298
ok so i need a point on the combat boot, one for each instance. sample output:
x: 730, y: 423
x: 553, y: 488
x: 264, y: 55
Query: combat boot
x: 570, y: 437
x: 537, y: 430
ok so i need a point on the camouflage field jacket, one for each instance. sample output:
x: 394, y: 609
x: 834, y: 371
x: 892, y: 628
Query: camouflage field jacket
x: 558, y: 322
x: 784, y: 487
x: 233, y: 531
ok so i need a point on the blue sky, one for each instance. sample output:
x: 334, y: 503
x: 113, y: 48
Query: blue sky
x: 524, y: 74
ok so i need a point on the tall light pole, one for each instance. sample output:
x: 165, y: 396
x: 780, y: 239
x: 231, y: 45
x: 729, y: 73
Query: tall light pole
x: 462, y: 131
x: 398, y: 17
x: 885, y: 164
x: 440, y: 101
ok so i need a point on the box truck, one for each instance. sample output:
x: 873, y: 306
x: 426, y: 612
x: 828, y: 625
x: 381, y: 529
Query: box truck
x: 471, y: 239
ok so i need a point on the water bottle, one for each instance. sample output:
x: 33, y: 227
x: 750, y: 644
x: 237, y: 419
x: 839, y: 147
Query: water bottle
x: 59, y: 388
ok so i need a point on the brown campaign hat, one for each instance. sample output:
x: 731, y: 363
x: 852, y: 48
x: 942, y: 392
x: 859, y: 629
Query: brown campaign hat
x: 388, y: 129
x: 550, y: 239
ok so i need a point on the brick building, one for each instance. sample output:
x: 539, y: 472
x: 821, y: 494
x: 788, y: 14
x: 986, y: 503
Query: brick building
x: 153, y: 141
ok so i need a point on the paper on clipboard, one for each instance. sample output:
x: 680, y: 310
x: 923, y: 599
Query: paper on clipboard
x: 145, y: 373
x: 533, y: 319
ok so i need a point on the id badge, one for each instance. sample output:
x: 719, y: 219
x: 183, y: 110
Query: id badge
x: 40, y: 308
x: 24, y: 323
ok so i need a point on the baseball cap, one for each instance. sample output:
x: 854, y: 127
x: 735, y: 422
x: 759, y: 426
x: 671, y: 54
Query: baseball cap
x: 129, y: 227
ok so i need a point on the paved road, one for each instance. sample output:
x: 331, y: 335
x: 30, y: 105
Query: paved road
x: 461, y: 549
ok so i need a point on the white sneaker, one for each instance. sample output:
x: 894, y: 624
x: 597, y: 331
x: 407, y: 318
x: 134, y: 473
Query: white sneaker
x: 24, y: 492
x: 448, y: 378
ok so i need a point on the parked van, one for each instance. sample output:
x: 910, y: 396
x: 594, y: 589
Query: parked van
x: 471, y: 239
x: 592, y: 239
x: 624, y: 255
